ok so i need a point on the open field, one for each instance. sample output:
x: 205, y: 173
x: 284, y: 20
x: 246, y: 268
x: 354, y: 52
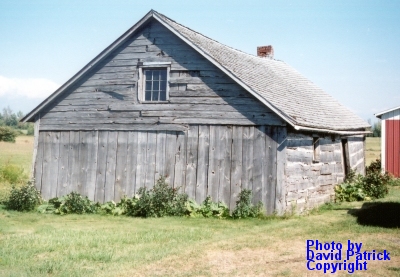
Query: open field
x: 19, y: 153
x: 93, y: 245
x: 372, y: 149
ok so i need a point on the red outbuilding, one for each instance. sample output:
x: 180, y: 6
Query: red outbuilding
x: 390, y: 140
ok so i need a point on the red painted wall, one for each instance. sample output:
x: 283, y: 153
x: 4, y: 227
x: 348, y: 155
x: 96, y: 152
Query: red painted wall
x: 393, y: 147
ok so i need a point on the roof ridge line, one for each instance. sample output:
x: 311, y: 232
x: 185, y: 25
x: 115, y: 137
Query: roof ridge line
x: 194, y: 31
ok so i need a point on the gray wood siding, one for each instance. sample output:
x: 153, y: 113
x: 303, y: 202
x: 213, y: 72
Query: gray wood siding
x: 107, y: 97
x: 205, y: 160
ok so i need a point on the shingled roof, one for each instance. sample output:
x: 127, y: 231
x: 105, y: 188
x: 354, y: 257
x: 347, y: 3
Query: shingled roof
x: 297, y: 100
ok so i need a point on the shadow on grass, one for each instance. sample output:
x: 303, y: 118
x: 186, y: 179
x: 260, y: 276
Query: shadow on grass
x: 379, y: 214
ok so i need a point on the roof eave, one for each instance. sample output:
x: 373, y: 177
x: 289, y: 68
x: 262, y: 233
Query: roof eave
x: 379, y: 115
x: 329, y: 131
x: 30, y: 116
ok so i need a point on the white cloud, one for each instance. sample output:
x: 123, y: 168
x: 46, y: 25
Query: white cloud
x: 30, y: 87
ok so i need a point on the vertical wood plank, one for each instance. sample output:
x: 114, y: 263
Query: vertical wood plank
x: 131, y: 163
x: 101, y: 166
x: 213, y: 168
x: 202, y: 163
x: 55, y: 150
x: 247, y: 168
x: 151, y: 159
x: 39, y: 161
x: 83, y: 162
x: 269, y: 189
x: 224, y: 186
x: 170, y: 157
x: 236, y: 166
x: 280, y: 200
x: 180, y: 161
x: 141, y: 160
x: 111, y: 163
x: 91, y: 174
x: 50, y: 165
x: 45, y: 190
x: 63, y: 165
x: 121, y: 166
x: 191, y: 161
x: 35, y: 144
x: 160, y: 154
x: 73, y: 158
x: 258, y: 160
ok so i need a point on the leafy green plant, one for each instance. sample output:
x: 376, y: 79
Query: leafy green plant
x: 161, y: 200
x: 73, y: 203
x: 120, y: 208
x: 350, y: 192
x: 192, y: 208
x: 25, y: 198
x: 371, y: 186
x: 244, y: 208
x: 7, y: 134
x: 213, y: 209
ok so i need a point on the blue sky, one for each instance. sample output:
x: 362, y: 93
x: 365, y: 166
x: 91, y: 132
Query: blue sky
x: 351, y: 49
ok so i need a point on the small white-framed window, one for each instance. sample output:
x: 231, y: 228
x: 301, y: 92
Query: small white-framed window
x: 153, y: 82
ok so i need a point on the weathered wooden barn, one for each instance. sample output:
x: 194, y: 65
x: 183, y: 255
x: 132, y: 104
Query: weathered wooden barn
x: 390, y: 140
x: 164, y: 100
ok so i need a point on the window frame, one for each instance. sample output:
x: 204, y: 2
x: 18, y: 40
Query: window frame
x: 142, y: 79
x: 316, y: 149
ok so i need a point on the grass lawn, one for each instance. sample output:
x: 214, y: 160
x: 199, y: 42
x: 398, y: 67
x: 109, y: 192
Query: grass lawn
x: 372, y: 150
x: 33, y: 244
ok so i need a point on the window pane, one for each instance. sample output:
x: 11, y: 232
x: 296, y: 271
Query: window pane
x: 148, y: 85
x: 148, y: 96
x: 148, y: 74
x: 156, y: 85
x: 155, y: 96
x: 163, y: 85
x: 156, y: 75
x: 163, y: 95
x: 163, y: 74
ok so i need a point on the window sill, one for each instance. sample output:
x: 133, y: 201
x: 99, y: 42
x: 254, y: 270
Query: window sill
x: 154, y: 102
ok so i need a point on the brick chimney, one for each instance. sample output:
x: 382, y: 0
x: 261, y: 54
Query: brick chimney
x: 265, y: 51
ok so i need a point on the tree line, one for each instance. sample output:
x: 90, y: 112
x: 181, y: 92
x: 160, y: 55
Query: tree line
x: 10, y: 126
x: 375, y: 128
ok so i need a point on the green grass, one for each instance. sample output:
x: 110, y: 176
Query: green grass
x: 34, y: 244
x: 372, y: 149
x: 92, y: 245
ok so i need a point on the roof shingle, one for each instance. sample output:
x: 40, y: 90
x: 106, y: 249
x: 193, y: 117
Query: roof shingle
x: 285, y: 89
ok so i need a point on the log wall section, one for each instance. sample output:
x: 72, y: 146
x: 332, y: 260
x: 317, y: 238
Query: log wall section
x: 215, y: 160
x: 356, y: 148
x: 309, y: 182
